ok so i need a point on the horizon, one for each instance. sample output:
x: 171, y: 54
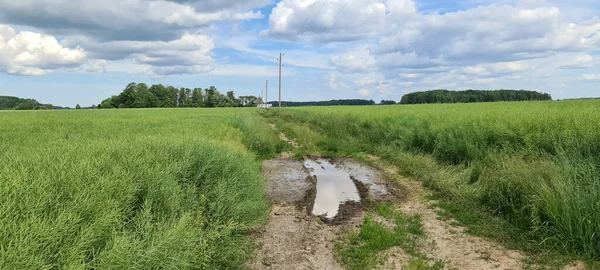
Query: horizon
x: 73, y: 52
x: 377, y: 102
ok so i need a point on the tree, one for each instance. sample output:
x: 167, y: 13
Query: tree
x: 231, y: 97
x: 251, y: 101
x: 197, y: 98
x: 211, y: 96
x: 108, y: 103
x: 184, y: 97
x: 172, y: 97
x: 143, y: 98
x: 28, y: 104
x: 127, y: 97
x: 77, y: 107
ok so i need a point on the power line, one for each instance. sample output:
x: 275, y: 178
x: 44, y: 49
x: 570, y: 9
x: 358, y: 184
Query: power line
x: 317, y: 15
x: 309, y: 24
x: 331, y: 23
x: 307, y: 16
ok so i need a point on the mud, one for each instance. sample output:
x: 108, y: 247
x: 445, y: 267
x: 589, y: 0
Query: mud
x: 369, y: 177
x: 287, y: 181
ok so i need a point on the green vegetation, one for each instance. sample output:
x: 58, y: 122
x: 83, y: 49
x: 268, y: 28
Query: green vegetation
x: 15, y: 103
x: 131, y: 189
x: 158, y: 96
x: 362, y: 249
x: 337, y: 102
x: 532, y: 164
x: 468, y: 96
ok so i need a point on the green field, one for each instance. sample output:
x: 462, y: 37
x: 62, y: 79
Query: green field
x: 182, y: 189
x: 131, y: 189
x: 534, y: 164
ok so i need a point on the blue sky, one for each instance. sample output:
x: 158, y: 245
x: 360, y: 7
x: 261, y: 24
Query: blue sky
x: 80, y: 52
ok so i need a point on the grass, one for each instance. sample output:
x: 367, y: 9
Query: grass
x: 130, y: 189
x: 363, y: 249
x: 534, y: 165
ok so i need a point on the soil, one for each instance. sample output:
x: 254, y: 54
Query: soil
x: 295, y: 240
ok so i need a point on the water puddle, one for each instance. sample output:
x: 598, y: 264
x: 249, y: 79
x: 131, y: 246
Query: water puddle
x: 334, y: 188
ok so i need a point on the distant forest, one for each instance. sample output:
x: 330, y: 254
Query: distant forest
x: 139, y: 95
x: 337, y: 102
x: 15, y: 103
x: 446, y: 96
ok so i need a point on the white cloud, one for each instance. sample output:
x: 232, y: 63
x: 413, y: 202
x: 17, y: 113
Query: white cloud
x: 591, y: 77
x: 496, y: 68
x: 190, y: 54
x: 410, y: 39
x: 28, y: 53
x: 334, y: 83
x: 582, y: 61
x: 123, y: 20
x: 365, y: 81
x: 364, y: 92
x: 360, y: 17
x: 410, y: 75
x: 359, y: 60
x: 95, y: 66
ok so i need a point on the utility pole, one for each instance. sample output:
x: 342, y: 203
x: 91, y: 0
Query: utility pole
x: 280, y: 56
x: 267, y: 94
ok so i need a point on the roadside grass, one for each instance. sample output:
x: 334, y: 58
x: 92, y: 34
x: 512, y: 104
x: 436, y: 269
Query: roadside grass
x: 129, y: 189
x: 364, y: 249
x: 532, y: 165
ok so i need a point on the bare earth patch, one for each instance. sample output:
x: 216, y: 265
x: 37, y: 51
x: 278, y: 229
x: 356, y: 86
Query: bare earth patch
x: 295, y: 240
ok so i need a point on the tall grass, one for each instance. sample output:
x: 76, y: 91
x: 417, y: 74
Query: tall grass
x: 127, y: 189
x: 534, y: 163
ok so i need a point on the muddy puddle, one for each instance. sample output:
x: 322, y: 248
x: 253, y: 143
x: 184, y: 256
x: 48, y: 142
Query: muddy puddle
x: 332, y: 189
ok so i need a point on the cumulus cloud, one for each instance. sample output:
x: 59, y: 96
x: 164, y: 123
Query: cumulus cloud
x: 123, y: 20
x: 191, y: 54
x: 291, y: 19
x: 359, y: 60
x: 408, y: 36
x: 29, y: 53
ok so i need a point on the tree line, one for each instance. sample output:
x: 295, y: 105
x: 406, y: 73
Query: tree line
x: 139, y: 95
x: 447, y: 96
x: 16, y: 103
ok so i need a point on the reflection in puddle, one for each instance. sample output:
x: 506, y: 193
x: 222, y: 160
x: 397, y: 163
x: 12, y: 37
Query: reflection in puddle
x: 334, y: 187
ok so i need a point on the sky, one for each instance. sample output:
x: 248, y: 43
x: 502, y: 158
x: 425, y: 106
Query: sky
x: 80, y: 52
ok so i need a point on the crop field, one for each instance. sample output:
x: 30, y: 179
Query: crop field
x: 534, y: 164
x: 131, y: 189
x: 183, y: 189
